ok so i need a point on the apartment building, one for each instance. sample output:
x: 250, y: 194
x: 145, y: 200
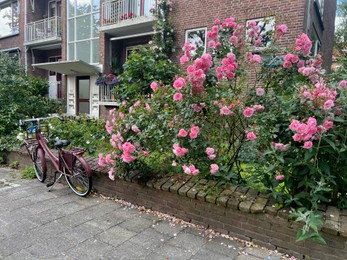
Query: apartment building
x: 70, y: 42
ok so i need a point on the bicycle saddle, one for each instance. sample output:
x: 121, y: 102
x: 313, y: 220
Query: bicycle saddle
x: 61, y: 143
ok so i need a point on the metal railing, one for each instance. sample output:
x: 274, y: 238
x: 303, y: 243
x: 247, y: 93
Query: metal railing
x: 106, y: 93
x: 121, y: 10
x: 43, y: 29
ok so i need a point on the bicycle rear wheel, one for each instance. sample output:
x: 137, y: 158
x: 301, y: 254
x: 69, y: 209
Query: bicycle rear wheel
x: 80, y: 180
x: 40, y: 165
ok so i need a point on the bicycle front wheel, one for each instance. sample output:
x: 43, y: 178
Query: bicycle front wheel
x: 79, y: 180
x: 40, y: 165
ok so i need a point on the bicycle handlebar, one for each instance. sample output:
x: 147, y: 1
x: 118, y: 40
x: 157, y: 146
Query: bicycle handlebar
x: 38, y: 119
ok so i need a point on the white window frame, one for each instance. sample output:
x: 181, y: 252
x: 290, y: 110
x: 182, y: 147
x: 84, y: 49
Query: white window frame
x: 90, y: 39
x: 10, y: 3
x: 134, y: 47
x: 204, y: 40
x: 271, y: 25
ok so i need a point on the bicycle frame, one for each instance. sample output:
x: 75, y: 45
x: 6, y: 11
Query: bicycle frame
x: 59, y: 162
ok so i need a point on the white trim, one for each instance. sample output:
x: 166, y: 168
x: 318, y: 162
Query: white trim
x: 133, y: 47
x: 194, y: 30
x: 131, y: 36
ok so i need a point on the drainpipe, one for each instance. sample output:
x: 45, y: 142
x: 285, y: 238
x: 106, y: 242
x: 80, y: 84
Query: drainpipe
x: 25, y: 48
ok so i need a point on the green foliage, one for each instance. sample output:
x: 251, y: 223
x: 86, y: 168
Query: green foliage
x: 28, y: 173
x: 140, y: 70
x: 81, y: 132
x: 14, y: 165
x: 164, y: 37
x: 312, y: 223
x: 20, y: 97
x: 150, y: 64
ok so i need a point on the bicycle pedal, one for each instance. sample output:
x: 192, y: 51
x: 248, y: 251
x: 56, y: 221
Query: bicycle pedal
x: 49, y: 184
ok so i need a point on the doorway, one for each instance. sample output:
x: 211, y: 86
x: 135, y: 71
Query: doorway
x: 83, y: 95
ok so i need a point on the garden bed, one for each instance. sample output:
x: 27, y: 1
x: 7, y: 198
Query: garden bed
x: 234, y: 210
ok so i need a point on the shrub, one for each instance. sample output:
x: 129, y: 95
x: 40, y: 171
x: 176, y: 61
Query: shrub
x: 27, y: 173
x: 20, y: 97
x: 81, y: 132
x: 271, y: 122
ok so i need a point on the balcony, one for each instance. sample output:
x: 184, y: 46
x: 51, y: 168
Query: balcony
x: 46, y: 32
x: 127, y: 17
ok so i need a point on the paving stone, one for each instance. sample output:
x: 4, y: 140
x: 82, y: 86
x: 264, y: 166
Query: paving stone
x: 137, y: 224
x: 204, y: 254
x: 127, y: 250
x: 168, y: 228
x: 222, y: 246
x: 52, y: 247
x: 89, y: 250
x: 170, y: 252
x: 195, y: 242
x: 150, y: 239
x: 81, y: 233
x: 22, y: 255
x: 343, y: 226
x: 115, y: 235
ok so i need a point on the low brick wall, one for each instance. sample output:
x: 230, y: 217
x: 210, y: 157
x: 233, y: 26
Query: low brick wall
x: 240, y: 212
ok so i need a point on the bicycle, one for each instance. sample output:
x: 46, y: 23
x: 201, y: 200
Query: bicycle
x: 68, y: 163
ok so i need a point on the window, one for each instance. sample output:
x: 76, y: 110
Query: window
x: 266, y: 26
x: 9, y: 18
x: 130, y: 49
x: 197, y: 38
x: 83, y: 30
x: 320, y: 7
x: 316, y: 43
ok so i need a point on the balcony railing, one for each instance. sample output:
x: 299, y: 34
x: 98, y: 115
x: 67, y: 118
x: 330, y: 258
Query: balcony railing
x: 45, y: 29
x: 119, y: 11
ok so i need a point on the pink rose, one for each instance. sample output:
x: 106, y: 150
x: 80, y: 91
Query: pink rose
x: 248, y: 112
x: 182, y: 133
x: 127, y: 157
x: 184, y: 59
x: 343, y: 84
x: 128, y: 147
x: 328, y: 104
x: 209, y: 151
x: 212, y: 156
x: 111, y: 173
x: 191, y: 170
x: 214, y: 168
x: 328, y: 124
x: 178, y: 97
x: 260, y: 91
x: 294, y: 126
x: 154, y: 86
x: 179, y: 151
x: 251, y: 136
x: 135, y: 129
x: 101, y: 160
x: 179, y: 83
x: 194, y: 130
x: 279, y: 177
x: 308, y: 145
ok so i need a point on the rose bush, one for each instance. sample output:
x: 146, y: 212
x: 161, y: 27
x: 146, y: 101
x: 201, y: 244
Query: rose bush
x: 248, y: 111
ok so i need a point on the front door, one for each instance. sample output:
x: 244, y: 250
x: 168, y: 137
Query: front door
x: 83, y: 95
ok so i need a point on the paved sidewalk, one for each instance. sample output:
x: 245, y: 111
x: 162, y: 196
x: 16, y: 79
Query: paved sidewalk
x: 36, y: 224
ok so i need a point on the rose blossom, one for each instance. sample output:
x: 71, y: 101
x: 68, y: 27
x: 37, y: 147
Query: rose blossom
x: 179, y: 151
x: 279, y: 177
x: 154, y: 86
x: 101, y: 160
x: 179, y: 83
x: 127, y: 157
x: 308, y: 145
x: 251, y: 136
x: 178, y: 97
x: 135, y: 129
x: 111, y: 173
x: 214, y: 168
x: 191, y: 170
x: 209, y: 151
x: 260, y: 91
x: 128, y: 147
x: 182, y: 133
x: 248, y: 112
x: 194, y: 132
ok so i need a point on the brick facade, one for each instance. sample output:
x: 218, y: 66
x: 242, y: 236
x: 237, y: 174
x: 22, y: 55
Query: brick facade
x: 299, y: 15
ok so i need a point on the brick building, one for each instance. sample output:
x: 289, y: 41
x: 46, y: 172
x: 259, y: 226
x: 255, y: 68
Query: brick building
x: 70, y: 42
